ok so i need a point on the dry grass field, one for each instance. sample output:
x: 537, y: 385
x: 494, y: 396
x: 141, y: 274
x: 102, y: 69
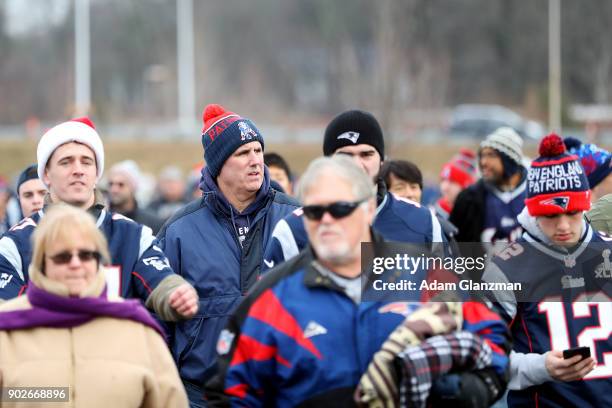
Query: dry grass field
x: 152, y: 156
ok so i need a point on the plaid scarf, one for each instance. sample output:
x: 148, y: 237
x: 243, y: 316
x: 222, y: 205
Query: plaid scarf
x: 421, y: 365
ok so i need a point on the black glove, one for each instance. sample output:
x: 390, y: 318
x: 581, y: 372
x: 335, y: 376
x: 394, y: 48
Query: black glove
x: 463, y: 390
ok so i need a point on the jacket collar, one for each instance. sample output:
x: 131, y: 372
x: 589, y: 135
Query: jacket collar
x: 213, y: 194
x: 536, y: 237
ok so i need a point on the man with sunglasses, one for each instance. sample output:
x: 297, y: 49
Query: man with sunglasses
x: 357, y: 134
x: 303, y: 336
x: 70, y: 162
x: 217, y: 241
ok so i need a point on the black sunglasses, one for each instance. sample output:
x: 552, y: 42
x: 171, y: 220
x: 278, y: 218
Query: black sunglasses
x: 339, y: 209
x: 66, y: 256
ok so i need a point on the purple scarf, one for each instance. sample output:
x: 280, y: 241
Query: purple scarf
x: 49, y: 310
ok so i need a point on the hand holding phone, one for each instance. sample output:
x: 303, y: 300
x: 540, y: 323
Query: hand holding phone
x: 585, y: 352
x: 566, y: 366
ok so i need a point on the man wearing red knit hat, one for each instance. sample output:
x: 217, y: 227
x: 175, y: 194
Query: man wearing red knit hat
x: 217, y: 242
x: 560, y: 315
x: 455, y: 176
x: 70, y: 162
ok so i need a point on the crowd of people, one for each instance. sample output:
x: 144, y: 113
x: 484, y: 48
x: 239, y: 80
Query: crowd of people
x: 244, y: 285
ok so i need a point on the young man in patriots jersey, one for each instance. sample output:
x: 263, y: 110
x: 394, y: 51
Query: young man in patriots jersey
x: 304, y: 337
x: 564, y: 267
x: 357, y: 135
x: 70, y: 162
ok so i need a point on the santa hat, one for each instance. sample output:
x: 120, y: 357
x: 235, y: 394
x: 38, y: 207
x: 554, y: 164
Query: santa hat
x: 461, y: 168
x: 224, y: 132
x: 556, y: 182
x: 80, y: 130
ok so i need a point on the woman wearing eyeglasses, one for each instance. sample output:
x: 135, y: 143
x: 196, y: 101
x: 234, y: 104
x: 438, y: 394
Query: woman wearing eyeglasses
x: 68, y: 342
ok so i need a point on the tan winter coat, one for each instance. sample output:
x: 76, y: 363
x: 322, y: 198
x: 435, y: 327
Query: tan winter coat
x: 107, y: 363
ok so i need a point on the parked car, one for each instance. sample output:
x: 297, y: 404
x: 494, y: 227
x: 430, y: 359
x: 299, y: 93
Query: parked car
x: 474, y: 120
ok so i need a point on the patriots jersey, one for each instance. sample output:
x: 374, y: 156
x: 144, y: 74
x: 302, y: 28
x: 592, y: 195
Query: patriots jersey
x: 569, y: 306
x: 501, y: 210
x: 137, y: 266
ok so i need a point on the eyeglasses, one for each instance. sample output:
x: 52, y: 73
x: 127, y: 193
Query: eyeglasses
x: 66, y: 256
x: 339, y: 209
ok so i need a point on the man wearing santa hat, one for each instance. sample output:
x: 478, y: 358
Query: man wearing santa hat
x: 70, y: 162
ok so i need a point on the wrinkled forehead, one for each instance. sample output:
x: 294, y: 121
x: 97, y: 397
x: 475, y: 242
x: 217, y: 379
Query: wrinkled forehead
x: 248, y: 146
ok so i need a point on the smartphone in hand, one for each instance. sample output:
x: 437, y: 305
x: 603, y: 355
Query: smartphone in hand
x: 585, y: 352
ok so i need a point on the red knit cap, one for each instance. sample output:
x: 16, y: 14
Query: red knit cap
x: 461, y: 168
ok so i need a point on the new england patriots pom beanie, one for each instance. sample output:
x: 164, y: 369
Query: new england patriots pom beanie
x: 224, y: 132
x: 556, y: 181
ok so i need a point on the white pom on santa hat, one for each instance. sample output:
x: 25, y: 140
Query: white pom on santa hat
x: 81, y: 130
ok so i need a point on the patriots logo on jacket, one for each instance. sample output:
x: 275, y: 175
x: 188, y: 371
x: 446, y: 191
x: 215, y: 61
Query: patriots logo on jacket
x: 225, y: 342
x: 246, y: 132
x: 5, y: 278
x: 560, y: 202
x: 352, y: 136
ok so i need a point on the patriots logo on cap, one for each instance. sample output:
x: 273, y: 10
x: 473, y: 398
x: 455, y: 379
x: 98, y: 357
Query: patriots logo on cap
x: 560, y: 202
x: 246, y: 132
x: 352, y: 136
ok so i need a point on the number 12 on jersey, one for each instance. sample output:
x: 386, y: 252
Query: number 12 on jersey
x: 558, y: 321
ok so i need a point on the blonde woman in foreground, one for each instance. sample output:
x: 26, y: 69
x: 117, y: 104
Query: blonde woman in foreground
x: 66, y: 332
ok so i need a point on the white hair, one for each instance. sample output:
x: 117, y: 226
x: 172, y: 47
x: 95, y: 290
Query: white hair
x: 342, y: 167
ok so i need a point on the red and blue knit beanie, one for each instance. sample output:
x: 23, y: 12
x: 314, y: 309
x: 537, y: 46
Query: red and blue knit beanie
x: 597, y: 162
x: 223, y: 133
x: 461, y: 169
x: 556, y: 182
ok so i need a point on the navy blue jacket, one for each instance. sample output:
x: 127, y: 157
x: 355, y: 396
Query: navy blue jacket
x: 204, y: 244
x: 396, y: 219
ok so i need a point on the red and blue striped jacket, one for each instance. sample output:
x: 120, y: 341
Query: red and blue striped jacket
x: 297, y: 339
